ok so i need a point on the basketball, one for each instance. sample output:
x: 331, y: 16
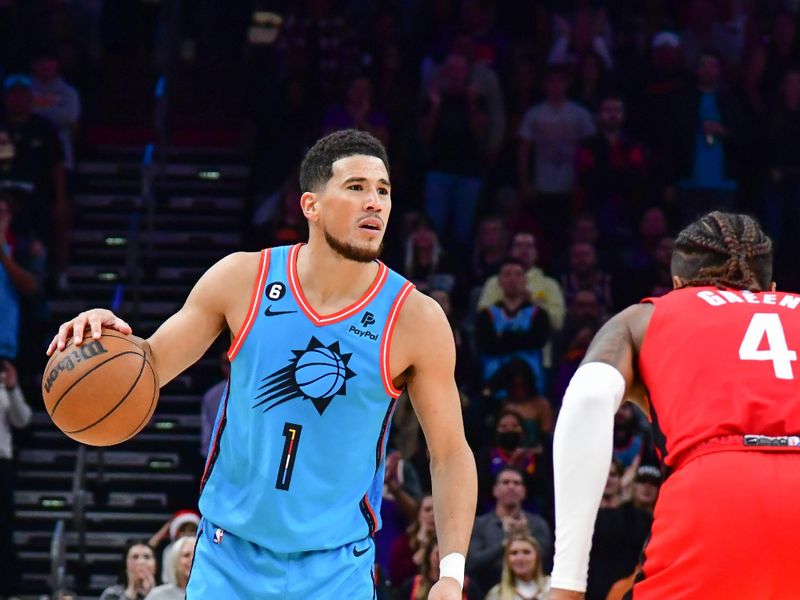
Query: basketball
x: 102, y: 392
x: 319, y: 373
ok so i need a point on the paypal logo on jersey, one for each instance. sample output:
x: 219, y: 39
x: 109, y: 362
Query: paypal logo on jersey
x: 367, y: 320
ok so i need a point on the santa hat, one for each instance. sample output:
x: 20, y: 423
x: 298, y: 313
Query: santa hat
x: 179, y: 519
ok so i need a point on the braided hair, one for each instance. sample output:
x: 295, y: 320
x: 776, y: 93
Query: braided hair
x: 724, y: 250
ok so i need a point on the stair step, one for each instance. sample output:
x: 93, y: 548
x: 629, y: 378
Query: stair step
x: 115, y: 202
x: 111, y: 458
x: 49, y: 500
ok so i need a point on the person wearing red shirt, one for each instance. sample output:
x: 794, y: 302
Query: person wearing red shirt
x: 717, y: 357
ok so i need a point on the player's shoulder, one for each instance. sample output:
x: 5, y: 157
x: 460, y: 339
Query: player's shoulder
x: 233, y: 271
x: 422, y: 318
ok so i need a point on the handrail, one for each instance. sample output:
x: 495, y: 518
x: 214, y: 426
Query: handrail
x: 58, y: 560
x: 79, y: 502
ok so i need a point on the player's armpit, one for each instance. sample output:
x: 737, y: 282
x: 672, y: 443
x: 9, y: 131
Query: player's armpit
x: 212, y: 304
x: 425, y: 340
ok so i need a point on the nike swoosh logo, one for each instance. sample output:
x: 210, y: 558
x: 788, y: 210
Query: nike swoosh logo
x: 357, y: 552
x: 274, y: 313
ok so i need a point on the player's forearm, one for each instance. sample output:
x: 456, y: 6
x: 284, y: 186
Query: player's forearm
x: 455, y: 490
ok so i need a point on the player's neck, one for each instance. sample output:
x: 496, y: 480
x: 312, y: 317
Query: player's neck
x: 330, y: 282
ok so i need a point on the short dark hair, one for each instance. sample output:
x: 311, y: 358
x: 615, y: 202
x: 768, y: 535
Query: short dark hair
x: 512, y: 260
x: 509, y: 469
x: 724, y: 250
x: 316, y: 168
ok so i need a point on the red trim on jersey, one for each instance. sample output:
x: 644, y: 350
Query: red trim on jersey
x: 255, y: 302
x: 368, y: 506
x: 212, y: 455
x: 388, y: 333
x: 305, y: 305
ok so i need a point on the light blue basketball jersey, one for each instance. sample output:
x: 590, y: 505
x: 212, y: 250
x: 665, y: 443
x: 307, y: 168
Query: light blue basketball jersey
x: 297, y: 458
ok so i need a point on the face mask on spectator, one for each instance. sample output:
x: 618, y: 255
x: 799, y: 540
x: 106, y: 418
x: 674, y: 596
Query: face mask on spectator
x: 509, y: 440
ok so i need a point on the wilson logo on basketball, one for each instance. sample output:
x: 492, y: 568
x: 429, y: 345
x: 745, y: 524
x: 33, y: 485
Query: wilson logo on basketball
x: 318, y: 373
x: 87, y: 351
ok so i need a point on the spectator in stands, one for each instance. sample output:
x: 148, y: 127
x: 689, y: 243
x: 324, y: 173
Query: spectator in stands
x: 585, y: 274
x: 507, y: 449
x: 209, y: 404
x: 583, y: 321
x: 56, y: 100
x: 663, y: 77
x: 408, y: 549
x: 620, y: 532
x: 543, y: 290
x: 630, y: 442
x: 781, y: 51
x: 183, y: 523
x: 357, y: 112
x: 592, y: 80
x: 491, y: 244
x: 588, y: 32
x: 493, y: 529
x: 512, y: 328
x: 14, y: 412
x: 427, y: 264
x: 32, y: 164
x: 611, y: 172
x: 781, y: 208
x: 417, y: 587
x: 178, y: 568
x: 466, y: 377
x: 552, y: 129
x: 21, y: 269
x: 453, y: 129
x: 646, y: 487
x: 402, y: 492
x: 523, y: 577
x: 705, y: 31
x: 522, y: 397
x: 707, y: 130
x: 138, y: 574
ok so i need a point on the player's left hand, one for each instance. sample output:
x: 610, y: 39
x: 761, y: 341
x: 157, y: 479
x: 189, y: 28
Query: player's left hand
x: 446, y: 588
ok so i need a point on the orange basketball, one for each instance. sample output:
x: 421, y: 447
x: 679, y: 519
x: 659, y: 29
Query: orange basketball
x: 102, y: 392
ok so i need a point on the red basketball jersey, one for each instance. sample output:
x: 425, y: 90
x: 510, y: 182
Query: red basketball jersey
x: 719, y: 363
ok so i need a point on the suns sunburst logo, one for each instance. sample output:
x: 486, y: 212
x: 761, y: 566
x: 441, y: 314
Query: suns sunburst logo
x: 318, y: 373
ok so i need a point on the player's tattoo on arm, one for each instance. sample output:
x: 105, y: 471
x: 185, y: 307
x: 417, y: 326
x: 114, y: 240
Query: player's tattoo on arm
x: 613, y: 344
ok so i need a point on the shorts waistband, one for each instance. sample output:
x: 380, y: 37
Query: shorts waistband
x: 738, y: 442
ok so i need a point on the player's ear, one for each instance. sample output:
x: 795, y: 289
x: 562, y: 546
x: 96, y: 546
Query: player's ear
x: 677, y: 282
x: 773, y: 287
x: 309, y: 203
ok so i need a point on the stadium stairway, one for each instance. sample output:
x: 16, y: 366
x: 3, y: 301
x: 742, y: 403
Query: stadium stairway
x: 137, y: 485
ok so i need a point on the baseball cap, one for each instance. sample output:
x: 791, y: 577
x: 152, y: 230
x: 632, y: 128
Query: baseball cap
x: 666, y: 38
x: 648, y: 474
x: 16, y: 80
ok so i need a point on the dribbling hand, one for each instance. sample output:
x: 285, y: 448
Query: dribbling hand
x: 446, y: 588
x: 95, y: 319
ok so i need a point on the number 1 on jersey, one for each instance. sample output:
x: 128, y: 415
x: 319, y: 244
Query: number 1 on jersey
x: 292, y: 434
x: 777, y: 351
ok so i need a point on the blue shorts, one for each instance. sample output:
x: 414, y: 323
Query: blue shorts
x: 227, y: 566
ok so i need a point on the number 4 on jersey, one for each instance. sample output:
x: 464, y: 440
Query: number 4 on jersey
x: 777, y: 351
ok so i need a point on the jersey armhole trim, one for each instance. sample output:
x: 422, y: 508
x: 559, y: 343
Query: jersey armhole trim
x: 255, y: 302
x: 388, y: 334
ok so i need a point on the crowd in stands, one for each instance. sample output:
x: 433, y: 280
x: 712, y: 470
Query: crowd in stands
x: 543, y: 156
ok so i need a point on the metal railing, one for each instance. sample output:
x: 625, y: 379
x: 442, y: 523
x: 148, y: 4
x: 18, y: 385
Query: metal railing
x: 58, y: 560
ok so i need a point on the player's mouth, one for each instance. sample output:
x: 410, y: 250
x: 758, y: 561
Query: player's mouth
x: 371, y: 224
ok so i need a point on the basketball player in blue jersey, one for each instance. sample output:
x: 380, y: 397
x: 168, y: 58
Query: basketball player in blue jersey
x: 324, y: 338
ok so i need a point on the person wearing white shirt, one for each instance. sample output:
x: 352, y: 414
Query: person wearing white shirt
x: 14, y: 412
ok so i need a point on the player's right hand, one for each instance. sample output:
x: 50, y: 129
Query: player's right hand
x: 95, y: 319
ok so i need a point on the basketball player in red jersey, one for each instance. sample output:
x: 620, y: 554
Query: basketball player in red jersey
x: 347, y: 201
x: 714, y: 365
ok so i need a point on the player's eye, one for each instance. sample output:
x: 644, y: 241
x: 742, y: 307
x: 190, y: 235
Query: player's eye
x: 356, y: 187
x: 383, y: 191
